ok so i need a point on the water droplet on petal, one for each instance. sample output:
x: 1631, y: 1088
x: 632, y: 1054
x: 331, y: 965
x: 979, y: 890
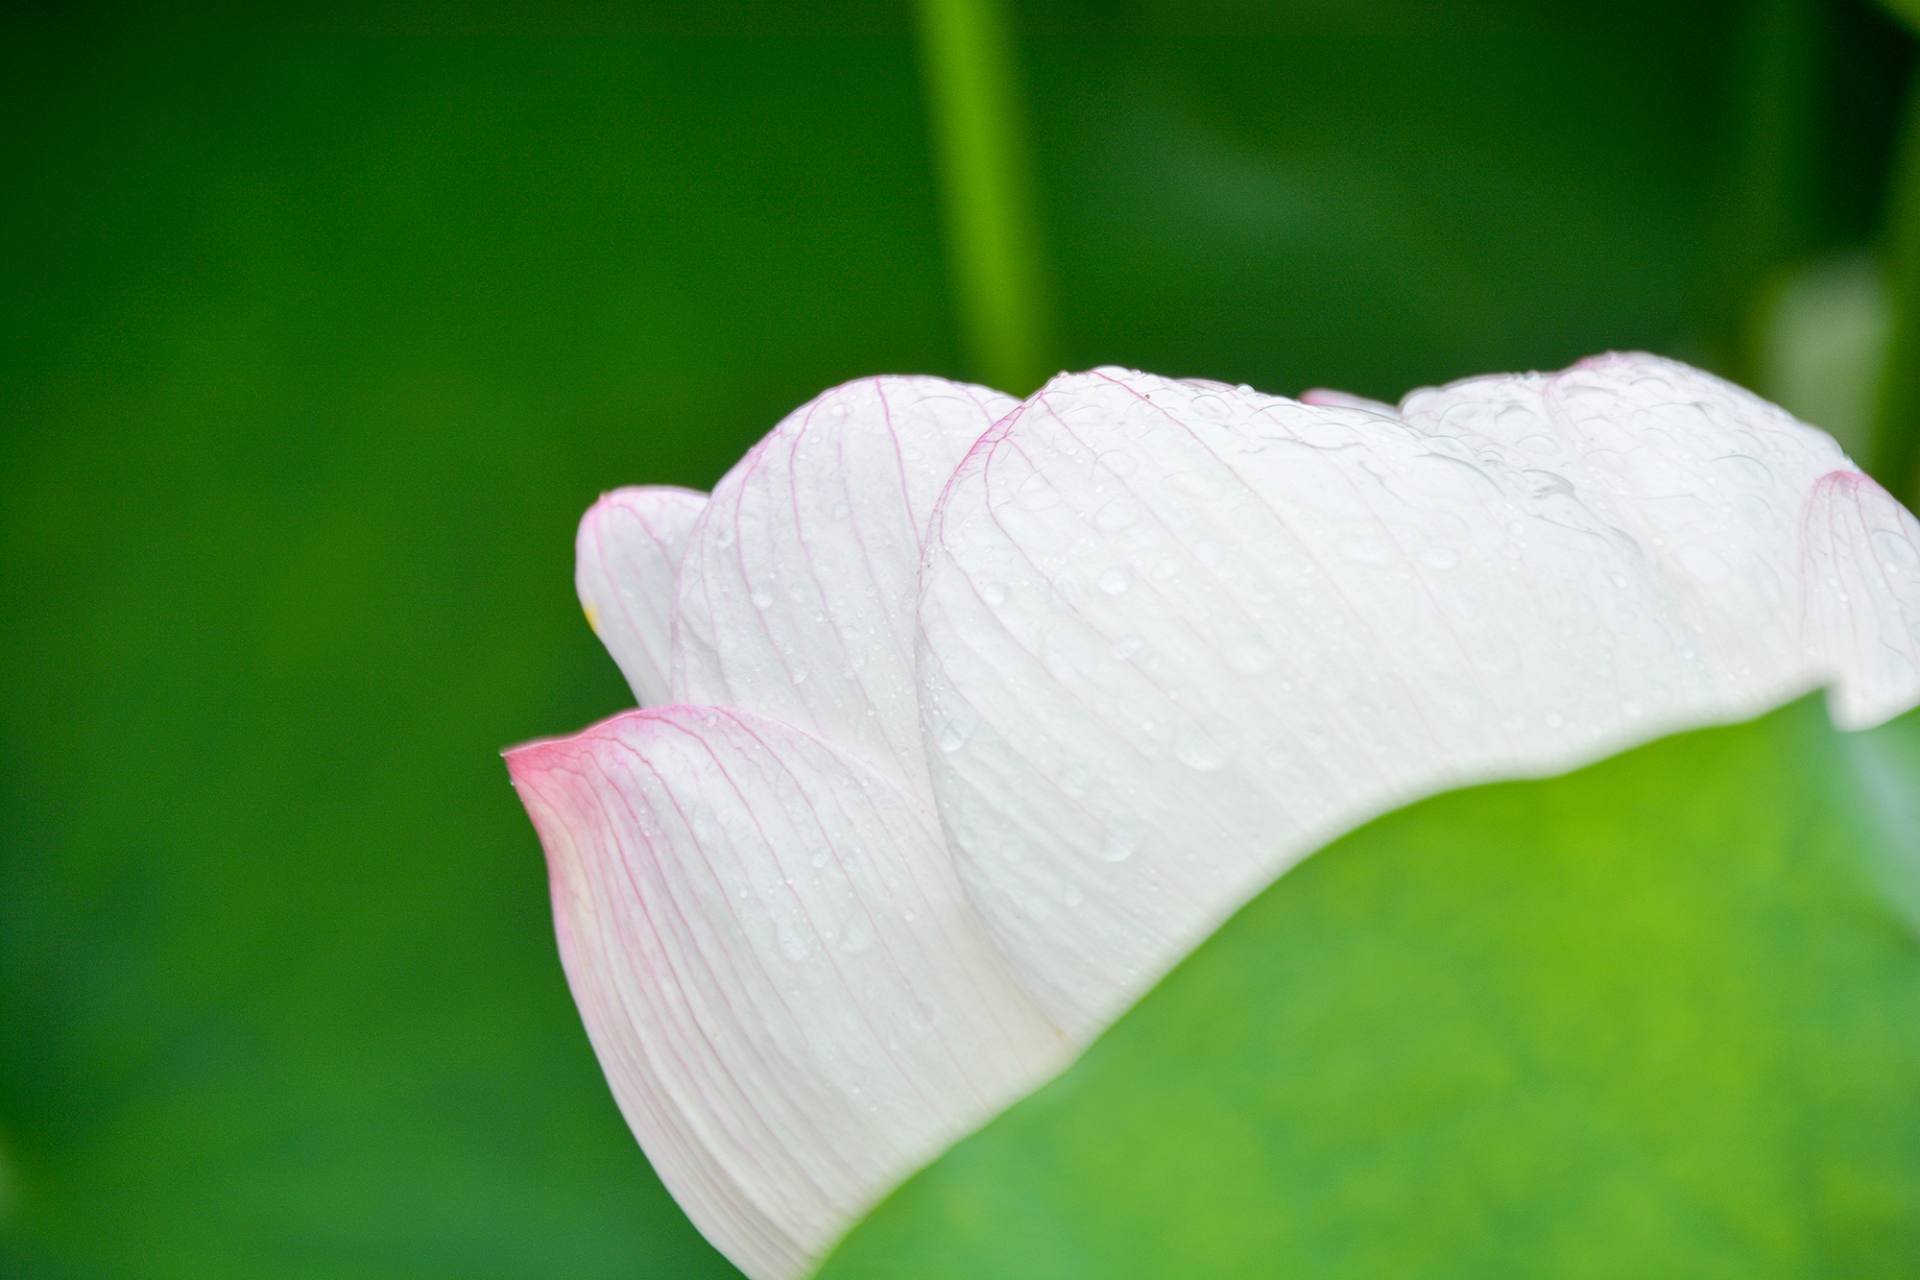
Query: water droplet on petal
x: 1205, y: 743
x: 1370, y: 550
x: 1114, y: 516
x: 793, y: 943
x: 1121, y: 841
x: 1249, y: 656
x: 1036, y: 493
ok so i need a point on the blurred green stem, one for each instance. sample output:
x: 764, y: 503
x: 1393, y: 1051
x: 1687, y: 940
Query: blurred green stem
x: 1895, y: 460
x: 992, y: 235
x: 1775, y: 152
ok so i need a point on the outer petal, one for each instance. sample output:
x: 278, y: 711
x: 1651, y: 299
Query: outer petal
x: 1860, y: 570
x: 626, y: 556
x: 796, y: 597
x: 1706, y: 477
x: 1174, y: 637
x: 791, y: 998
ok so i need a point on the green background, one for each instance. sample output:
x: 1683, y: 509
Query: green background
x: 316, y: 336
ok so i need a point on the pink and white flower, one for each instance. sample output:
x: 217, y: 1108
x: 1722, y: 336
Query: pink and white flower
x: 964, y: 718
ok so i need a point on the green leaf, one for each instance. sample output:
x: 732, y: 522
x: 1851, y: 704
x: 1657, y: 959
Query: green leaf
x: 1908, y: 9
x: 1657, y: 1017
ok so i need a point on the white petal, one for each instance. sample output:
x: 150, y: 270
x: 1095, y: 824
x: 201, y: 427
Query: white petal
x: 790, y: 996
x: 626, y: 554
x: 1174, y: 637
x: 1706, y: 477
x: 1861, y: 571
x: 1332, y: 399
x: 796, y: 596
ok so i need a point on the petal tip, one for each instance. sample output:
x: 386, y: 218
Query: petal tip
x: 1845, y: 481
x: 526, y: 761
x: 647, y: 503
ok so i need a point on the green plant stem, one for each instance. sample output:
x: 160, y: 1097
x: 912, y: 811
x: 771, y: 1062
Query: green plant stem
x: 993, y: 239
x: 1895, y: 457
x: 1766, y: 223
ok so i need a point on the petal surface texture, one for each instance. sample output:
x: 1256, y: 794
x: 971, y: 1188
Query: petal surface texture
x: 625, y: 559
x: 1861, y: 571
x: 1174, y: 636
x: 792, y: 999
x: 796, y: 597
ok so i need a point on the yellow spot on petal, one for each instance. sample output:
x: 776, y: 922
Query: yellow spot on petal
x: 593, y: 617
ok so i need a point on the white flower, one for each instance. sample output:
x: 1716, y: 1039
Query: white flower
x: 969, y: 717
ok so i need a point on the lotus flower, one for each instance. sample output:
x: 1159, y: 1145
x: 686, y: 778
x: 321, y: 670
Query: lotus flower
x: 966, y: 717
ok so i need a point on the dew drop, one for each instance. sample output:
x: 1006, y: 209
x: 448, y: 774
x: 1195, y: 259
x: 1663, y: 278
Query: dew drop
x: 1115, y: 580
x: 1036, y: 493
x: 857, y: 938
x: 1114, y: 516
x: 793, y: 943
x: 1196, y: 484
x: 1368, y: 550
x: 953, y: 735
x: 1249, y: 656
x: 1212, y: 408
x: 1122, y: 840
x: 1205, y: 743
